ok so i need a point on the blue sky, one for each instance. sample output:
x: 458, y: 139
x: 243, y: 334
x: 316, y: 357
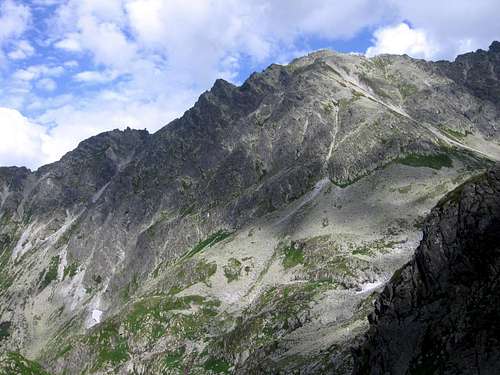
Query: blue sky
x: 70, y: 69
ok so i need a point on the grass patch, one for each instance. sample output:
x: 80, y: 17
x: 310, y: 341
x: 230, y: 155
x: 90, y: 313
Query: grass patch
x: 209, y: 242
x: 232, y: 270
x: 217, y: 366
x: 456, y: 135
x: 174, y: 360
x: 129, y: 289
x: 51, y: 273
x: 70, y: 270
x: 154, y: 317
x: 293, y: 256
x: 16, y: 364
x: 430, y: 161
x: 454, y: 195
x: 372, y: 248
x: 407, y: 89
x: 110, y: 346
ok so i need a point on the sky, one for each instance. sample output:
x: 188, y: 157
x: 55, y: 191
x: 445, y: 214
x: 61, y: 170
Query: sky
x: 70, y: 69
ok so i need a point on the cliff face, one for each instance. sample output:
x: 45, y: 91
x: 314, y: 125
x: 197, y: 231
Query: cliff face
x: 440, y: 313
x: 238, y: 233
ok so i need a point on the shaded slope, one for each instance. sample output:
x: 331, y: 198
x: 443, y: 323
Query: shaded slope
x: 439, y: 314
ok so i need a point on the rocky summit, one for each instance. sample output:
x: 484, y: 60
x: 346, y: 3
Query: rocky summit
x: 254, y: 234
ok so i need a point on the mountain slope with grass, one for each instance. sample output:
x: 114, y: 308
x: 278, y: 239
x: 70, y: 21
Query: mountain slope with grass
x: 252, y: 234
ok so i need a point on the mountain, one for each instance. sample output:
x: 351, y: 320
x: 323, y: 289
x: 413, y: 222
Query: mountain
x: 252, y: 234
x: 439, y: 314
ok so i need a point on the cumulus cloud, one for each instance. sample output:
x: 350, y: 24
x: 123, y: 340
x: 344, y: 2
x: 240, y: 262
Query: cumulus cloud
x: 46, y: 84
x: 401, y: 39
x: 23, y: 50
x: 95, y: 76
x: 70, y: 43
x: 14, y: 19
x: 36, y: 71
x: 21, y: 141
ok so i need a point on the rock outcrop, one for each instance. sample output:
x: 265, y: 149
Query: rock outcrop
x: 236, y: 235
x: 440, y: 313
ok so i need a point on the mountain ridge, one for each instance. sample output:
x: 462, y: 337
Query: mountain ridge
x: 125, y: 206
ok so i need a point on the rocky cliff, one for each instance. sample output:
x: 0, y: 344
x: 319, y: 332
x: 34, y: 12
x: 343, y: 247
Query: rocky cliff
x: 250, y: 234
x: 439, y: 314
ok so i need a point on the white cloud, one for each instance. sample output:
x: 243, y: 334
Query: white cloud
x: 71, y: 64
x: 36, y: 71
x: 21, y: 141
x: 401, y: 39
x: 457, y: 27
x: 95, y: 76
x: 23, y: 50
x: 70, y: 43
x: 14, y: 19
x: 47, y: 84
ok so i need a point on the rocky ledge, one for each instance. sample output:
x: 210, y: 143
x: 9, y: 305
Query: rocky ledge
x: 440, y: 314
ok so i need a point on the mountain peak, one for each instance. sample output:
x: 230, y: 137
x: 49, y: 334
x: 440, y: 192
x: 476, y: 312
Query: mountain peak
x: 495, y: 46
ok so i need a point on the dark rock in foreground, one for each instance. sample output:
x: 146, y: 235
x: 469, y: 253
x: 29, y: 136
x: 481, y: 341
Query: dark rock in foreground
x: 440, y: 314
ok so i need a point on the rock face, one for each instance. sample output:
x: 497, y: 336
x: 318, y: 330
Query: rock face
x: 249, y: 235
x: 440, y: 313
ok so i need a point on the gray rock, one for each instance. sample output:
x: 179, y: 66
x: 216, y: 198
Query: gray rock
x: 439, y: 314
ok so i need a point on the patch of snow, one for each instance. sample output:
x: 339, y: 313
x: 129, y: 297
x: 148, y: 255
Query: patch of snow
x: 97, y: 195
x: 334, y: 135
x: 63, y: 262
x: 23, y: 245
x: 368, y: 287
x: 94, y: 318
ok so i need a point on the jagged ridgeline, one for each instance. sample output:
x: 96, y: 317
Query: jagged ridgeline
x: 250, y: 236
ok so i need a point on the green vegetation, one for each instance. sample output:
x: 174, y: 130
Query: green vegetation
x: 209, y: 241
x: 454, y: 195
x: 456, y: 135
x: 341, y: 266
x: 156, y: 316
x: 293, y: 256
x: 110, y: 346
x: 407, y: 89
x: 189, y: 274
x: 16, y: 364
x: 275, y: 313
x: 232, y: 270
x: 173, y: 360
x: 4, y: 330
x: 51, y: 273
x: 70, y: 270
x: 65, y: 349
x: 66, y: 236
x: 328, y: 107
x: 371, y: 248
x: 129, y: 289
x: 5, y: 279
x: 217, y: 366
x: 188, y: 210
x: 376, y: 84
x: 431, y: 161
x: 7, y: 239
x: 397, y: 275
x: 404, y: 189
